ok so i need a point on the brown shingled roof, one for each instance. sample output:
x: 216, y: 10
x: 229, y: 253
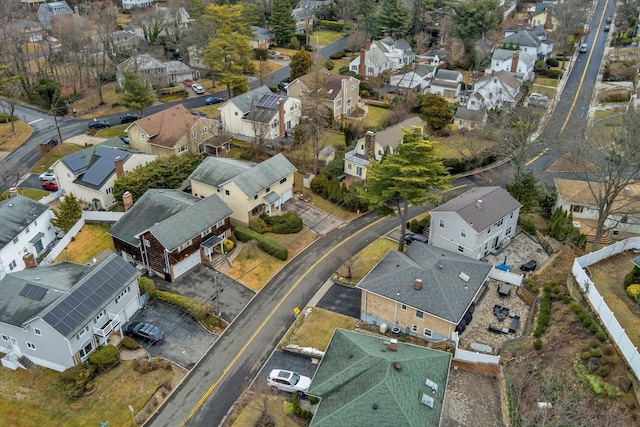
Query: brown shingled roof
x: 332, y: 83
x: 166, y: 127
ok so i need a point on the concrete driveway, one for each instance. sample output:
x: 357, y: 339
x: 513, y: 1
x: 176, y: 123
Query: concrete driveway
x: 290, y: 362
x: 185, y: 340
x: 313, y: 218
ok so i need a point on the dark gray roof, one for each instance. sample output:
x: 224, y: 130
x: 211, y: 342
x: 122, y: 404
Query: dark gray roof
x: 58, y: 279
x: 247, y: 100
x: 100, y: 284
x: 179, y: 228
x: 403, y: 44
x: 495, y: 204
x: 251, y: 178
x: 523, y: 38
x: 444, y: 294
x: 16, y: 214
x: 469, y: 115
x: 443, y: 74
x: 153, y: 207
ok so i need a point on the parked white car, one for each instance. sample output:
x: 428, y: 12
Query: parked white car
x: 289, y: 381
x: 197, y: 88
x: 47, y: 176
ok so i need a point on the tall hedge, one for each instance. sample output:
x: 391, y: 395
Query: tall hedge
x: 270, y: 246
x: 287, y: 223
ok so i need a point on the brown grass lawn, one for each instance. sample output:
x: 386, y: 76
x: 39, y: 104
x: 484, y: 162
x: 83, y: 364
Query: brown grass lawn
x: 268, y: 67
x: 316, y: 328
x: 321, y: 203
x: 253, y: 267
x: 90, y: 241
x: 545, y: 81
x: 338, y: 63
x: 608, y: 276
x: 324, y: 38
x: 366, y: 259
x: 546, y: 91
x: 58, y: 152
x: 88, y: 107
x: 32, y: 193
x: 10, y: 140
x: 34, y: 395
x: 458, y: 144
x: 251, y: 412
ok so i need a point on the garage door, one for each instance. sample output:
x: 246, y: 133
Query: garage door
x: 287, y: 195
x: 186, y: 264
x: 131, y: 308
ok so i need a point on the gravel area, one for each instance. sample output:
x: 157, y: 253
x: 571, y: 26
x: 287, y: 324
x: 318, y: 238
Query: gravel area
x: 472, y: 399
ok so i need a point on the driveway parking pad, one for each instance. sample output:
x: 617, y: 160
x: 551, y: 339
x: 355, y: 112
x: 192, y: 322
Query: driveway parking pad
x: 342, y: 299
x: 312, y: 217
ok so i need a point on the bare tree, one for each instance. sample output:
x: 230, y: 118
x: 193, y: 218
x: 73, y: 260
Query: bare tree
x: 571, y: 16
x: 10, y: 174
x: 259, y: 398
x: 346, y: 255
x: 315, y: 114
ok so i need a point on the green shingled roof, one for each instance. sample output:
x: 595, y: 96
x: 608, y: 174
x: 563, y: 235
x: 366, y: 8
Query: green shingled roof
x: 360, y: 385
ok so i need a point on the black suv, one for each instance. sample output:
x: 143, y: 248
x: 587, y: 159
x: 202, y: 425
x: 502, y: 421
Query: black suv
x: 128, y: 118
x: 144, y: 331
x: 98, y: 124
x: 412, y: 237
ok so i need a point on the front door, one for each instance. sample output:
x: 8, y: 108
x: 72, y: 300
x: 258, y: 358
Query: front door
x: 14, y: 344
x: 495, y: 242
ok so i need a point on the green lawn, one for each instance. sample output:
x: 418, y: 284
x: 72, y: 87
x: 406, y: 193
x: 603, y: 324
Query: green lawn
x: 58, y: 152
x: 334, y: 139
x: 375, y: 117
x: 546, y: 91
x: 324, y: 38
x: 32, y: 193
x: 90, y: 241
x: 338, y: 63
x: 366, y: 259
x: 545, y: 81
x: 113, y: 131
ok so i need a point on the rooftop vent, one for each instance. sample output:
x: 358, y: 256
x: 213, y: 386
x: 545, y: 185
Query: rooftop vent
x: 427, y: 400
x: 440, y: 266
x: 479, y: 204
x: 464, y: 277
x: 375, y: 406
x: 432, y: 385
x: 417, y: 285
x: 397, y: 366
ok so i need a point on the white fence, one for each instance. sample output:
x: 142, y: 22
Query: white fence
x: 616, y: 331
x: 51, y: 197
x: 505, y: 276
x: 101, y: 216
x: 62, y: 243
x: 473, y: 357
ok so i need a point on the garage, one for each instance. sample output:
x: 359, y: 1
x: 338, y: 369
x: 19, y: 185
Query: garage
x: 186, y: 264
x: 286, y: 195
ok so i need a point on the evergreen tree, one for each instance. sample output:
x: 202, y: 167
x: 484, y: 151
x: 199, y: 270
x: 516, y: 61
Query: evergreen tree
x: 68, y: 214
x: 436, y: 111
x: 524, y: 188
x: 282, y: 23
x: 137, y: 95
x: 392, y: 18
x: 300, y: 64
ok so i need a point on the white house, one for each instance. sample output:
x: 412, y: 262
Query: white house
x: 57, y: 315
x: 446, y: 83
x: 418, y: 79
x: 476, y: 222
x: 260, y: 114
x: 26, y: 233
x: 128, y: 4
x: 381, y: 55
x: 518, y: 64
x: 534, y: 42
x: 495, y: 91
x: 89, y: 174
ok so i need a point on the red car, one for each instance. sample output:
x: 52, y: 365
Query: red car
x: 187, y: 82
x: 50, y: 185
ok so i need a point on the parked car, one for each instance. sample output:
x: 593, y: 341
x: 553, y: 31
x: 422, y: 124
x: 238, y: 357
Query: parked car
x: 283, y: 86
x: 198, y: 113
x: 128, y: 118
x: 197, y: 88
x: 584, y: 47
x: 187, y: 82
x: 289, y: 381
x: 529, y: 266
x: 409, y: 238
x: 47, y: 176
x: 50, y: 185
x: 125, y: 139
x: 607, y: 27
x: 213, y: 100
x: 608, y: 20
x: 144, y: 331
x: 98, y: 124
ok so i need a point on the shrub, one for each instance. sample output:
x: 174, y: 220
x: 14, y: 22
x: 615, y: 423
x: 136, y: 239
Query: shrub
x: 287, y: 223
x: 529, y: 226
x: 74, y: 381
x: 594, y: 328
x: 328, y: 65
x: 632, y: 277
x: 586, y: 355
x: 129, y: 343
x: 552, y: 62
x: 258, y: 225
x: 228, y: 245
x: 596, y: 352
x: 587, y: 322
x: 609, y: 350
x: 6, y: 117
x: 147, y: 286
x: 537, y: 344
x: 338, y: 55
x: 538, y: 331
x: 270, y: 246
x: 576, y: 308
x: 331, y: 25
x: 604, y: 371
x: 633, y: 291
x: 104, y: 357
x: 313, y: 400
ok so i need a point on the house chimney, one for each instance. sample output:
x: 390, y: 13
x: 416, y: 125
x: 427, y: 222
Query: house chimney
x: 393, y: 344
x: 119, y: 167
x: 13, y: 192
x: 370, y: 144
x: 479, y: 204
x: 417, y: 285
x: 367, y: 44
x: 281, y: 116
x: 514, y: 61
x: 127, y: 200
x: 362, y: 66
x: 548, y: 22
x: 29, y: 260
x: 266, y: 25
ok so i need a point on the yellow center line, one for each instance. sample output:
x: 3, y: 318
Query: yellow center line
x: 542, y: 153
x: 276, y: 308
x: 584, y: 73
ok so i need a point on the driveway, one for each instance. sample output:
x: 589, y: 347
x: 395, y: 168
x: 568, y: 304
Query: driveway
x: 339, y: 299
x: 185, y: 340
x: 313, y: 218
x: 290, y: 362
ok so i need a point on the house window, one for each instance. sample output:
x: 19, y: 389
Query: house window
x: 12, y: 265
x: 576, y: 208
x: 109, y: 190
x: 200, y: 148
x: 142, y: 136
x: 37, y: 331
x: 182, y: 149
x: 414, y: 328
x: 428, y: 332
x: 353, y: 87
x: 463, y: 232
x: 227, y: 192
x: 508, y: 231
x: 220, y: 224
x: 31, y: 345
x: 236, y: 113
x: 419, y: 314
x: 255, y: 197
x: 15, y: 240
x: 511, y: 216
x: 339, y: 103
x: 359, y: 171
x: 184, y: 246
x: 194, y: 134
x: 460, y: 249
x: 205, y: 232
x: 499, y: 223
x: 349, y: 166
x: 283, y: 180
x: 5, y: 338
x: 275, y: 124
x: 86, y: 349
x: 146, y: 243
x: 403, y: 307
x: 349, y: 101
x: 26, y: 230
x: 267, y: 190
x: 442, y: 223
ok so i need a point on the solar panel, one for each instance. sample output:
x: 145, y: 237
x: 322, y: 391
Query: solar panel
x: 104, y: 166
x: 33, y: 292
x: 76, y: 161
x: 268, y: 101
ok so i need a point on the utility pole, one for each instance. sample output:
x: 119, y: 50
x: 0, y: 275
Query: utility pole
x: 214, y: 279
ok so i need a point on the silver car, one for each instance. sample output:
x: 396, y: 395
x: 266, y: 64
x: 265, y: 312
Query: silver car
x: 289, y: 381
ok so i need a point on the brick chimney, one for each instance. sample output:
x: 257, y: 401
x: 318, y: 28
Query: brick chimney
x: 13, y: 192
x: 514, y: 61
x: 548, y: 22
x: 281, y: 116
x: 417, y: 285
x: 367, y: 44
x: 127, y: 200
x: 362, y: 66
x: 370, y: 144
x: 119, y: 167
x: 393, y: 345
x: 29, y: 260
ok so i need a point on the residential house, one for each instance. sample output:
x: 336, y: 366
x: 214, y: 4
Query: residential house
x: 577, y: 198
x: 260, y: 115
x: 499, y: 90
x: 56, y: 315
x: 31, y: 30
x: 405, y: 383
x: 170, y: 231
x: 47, y: 11
x: 478, y: 221
x: 518, y: 64
x: 469, y: 119
x: 419, y: 79
x: 544, y: 15
x: 303, y: 19
x: 90, y: 174
x: 374, y: 145
x: 262, y: 37
x: 128, y: 4
x: 122, y: 41
x: 425, y: 292
x: 342, y: 93
x: 172, y: 131
x: 171, y: 22
x: 533, y: 42
x: 26, y: 233
x: 446, y: 83
x: 249, y: 189
x: 381, y: 55
x: 32, y: 2
x: 155, y: 73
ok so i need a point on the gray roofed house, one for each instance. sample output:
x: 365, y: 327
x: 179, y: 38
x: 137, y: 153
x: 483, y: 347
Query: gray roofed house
x: 518, y: 63
x: 469, y: 119
x: 58, y: 314
x: 446, y: 83
x: 498, y: 90
x: 476, y: 222
x: 47, y: 11
x: 438, y: 283
x: 164, y: 230
x: 532, y: 41
x: 244, y: 185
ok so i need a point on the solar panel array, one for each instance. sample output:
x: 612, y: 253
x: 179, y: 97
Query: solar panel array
x: 33, y: 292
x: 90, y: 295
x: 76, y: 161
x: 268, y: 101
x: 103, y: 167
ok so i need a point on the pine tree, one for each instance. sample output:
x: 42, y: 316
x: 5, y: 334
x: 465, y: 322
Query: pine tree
x: 393, y: 18
x: 68, y: 214
x: 137, y: 95
x: 282, y: 22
